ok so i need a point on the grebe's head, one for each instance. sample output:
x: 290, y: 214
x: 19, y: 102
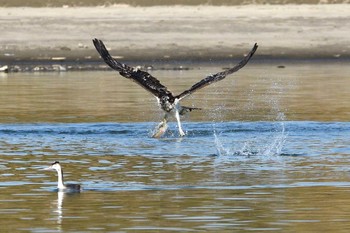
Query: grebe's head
x: 54, y: 166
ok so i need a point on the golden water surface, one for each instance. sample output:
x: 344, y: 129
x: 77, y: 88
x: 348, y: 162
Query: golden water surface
x: 308, y: 92
x: 209, y: 181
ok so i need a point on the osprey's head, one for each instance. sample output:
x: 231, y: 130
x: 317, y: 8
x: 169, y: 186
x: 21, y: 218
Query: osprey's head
x: 166, y: 103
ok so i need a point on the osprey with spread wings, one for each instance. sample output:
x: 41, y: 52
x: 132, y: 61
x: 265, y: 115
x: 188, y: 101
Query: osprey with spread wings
x: 167, y: 101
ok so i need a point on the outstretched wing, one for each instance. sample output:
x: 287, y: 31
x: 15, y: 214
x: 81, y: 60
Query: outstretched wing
x: 217, y: 77
x: 142, y: 78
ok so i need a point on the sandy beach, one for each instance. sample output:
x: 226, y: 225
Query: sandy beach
x: 172, y: 33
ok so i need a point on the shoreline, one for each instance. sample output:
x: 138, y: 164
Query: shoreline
x: 147, y: 65
x: 151, y: 3
x: 172, y: 35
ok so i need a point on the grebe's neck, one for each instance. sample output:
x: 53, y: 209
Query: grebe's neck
x: 60, y: 184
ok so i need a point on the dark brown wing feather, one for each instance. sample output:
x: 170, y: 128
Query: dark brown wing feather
x: 142, y: 78
x: 217, y: 77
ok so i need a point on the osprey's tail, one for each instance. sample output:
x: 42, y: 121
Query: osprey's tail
x: 185, y: 110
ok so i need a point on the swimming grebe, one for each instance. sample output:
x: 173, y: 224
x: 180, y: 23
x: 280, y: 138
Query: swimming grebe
x: 60, y: 185
x: 168, y: 102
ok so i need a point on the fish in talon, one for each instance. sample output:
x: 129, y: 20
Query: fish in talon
x: 160, y: 130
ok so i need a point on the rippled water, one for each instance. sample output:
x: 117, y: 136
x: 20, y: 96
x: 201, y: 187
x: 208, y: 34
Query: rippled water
x: 271, y: 155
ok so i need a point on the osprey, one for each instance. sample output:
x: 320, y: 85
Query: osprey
x: 168, y: 102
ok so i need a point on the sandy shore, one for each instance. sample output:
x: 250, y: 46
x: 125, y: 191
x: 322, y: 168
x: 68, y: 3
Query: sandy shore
x: 192, y: 33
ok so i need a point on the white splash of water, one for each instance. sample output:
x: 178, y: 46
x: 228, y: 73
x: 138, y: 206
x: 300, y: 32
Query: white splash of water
x: 221, y: 150
x: 257, y: 146
x: 265, y: 145
x: 275, y: 148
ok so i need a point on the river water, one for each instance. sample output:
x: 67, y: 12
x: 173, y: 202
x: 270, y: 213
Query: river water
x: 267, y: 152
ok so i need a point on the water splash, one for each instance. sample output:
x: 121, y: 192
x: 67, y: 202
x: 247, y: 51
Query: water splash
x: 220, y: 148
x: 265, y: 145
x: 275, y: 148
x: 260, y: 142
